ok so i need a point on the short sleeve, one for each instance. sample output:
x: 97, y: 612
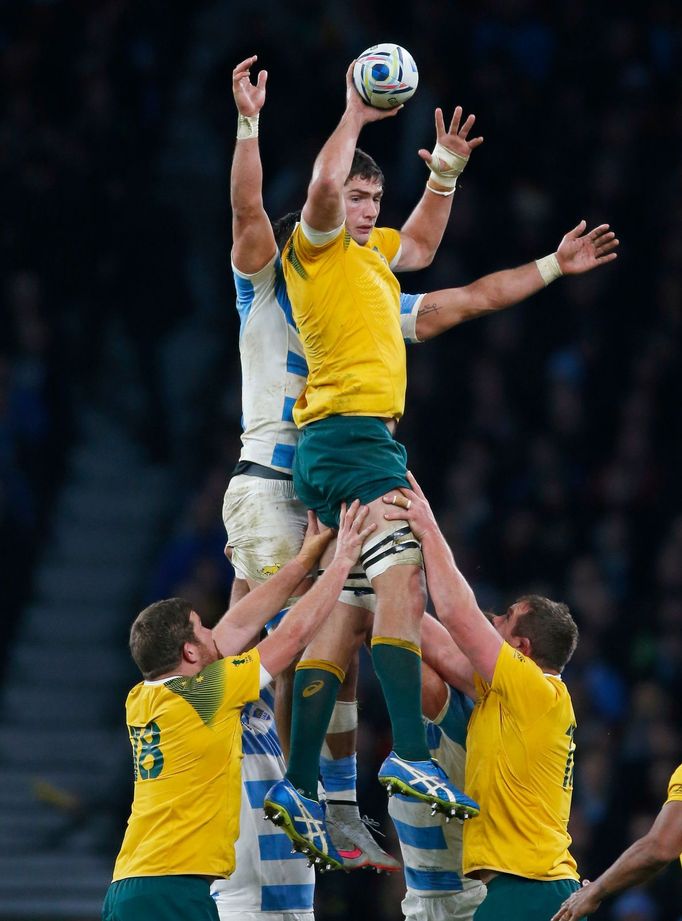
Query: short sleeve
x: 306, y: 252
x: 675, y: 787
x: 387, y: 241
x: 523, y: 688
x: 409, y: 309
x: 242, y: 678
x: 261, y: 275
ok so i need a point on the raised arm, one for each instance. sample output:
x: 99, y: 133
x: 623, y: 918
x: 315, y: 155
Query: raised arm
x: 421, y: 234
x: 253, y: 242
x: 578, y: 252
x: 452, y: 596
x: 639, y: 863
x: 440, y: 651
x: 241, y: 624
x: 324, y: 209
x: 294, y: 633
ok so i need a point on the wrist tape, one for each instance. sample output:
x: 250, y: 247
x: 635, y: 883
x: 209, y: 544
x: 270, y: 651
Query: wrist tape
x: 446, y: 165
x: 247, y: 127
x: 549, y: 268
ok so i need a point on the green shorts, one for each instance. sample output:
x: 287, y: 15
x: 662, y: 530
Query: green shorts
x: 160, y: 898
x: 342, y: 458
x: 515, y: 898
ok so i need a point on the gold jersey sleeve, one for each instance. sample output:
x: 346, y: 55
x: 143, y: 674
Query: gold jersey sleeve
x: 519, y: 768
x: 675, y: 786
x: 675, y: 790
x: 346, y: 304
x: 186, y: 740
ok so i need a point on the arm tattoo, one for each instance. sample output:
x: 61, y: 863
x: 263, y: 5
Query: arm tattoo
x: 428, y: 308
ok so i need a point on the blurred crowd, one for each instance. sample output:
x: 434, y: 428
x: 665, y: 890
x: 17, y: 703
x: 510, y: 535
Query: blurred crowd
x: 549, y: 437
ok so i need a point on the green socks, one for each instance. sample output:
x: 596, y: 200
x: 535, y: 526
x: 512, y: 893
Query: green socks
x: 315, y: 692
x: 398, y: 667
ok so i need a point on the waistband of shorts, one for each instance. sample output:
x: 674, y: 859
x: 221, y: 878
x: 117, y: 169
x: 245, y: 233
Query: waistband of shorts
x: 251, y: 468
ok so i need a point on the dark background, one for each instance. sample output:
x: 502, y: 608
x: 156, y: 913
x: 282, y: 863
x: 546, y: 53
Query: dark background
x: 548, y: 437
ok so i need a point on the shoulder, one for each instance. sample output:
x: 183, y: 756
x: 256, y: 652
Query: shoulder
x: 387, y: 241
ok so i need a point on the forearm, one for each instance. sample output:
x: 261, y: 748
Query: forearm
x: 440, y: 651
x: 636, y: 865
x: 424, y: 230
x: 456, y: 606
x: 304, y: 619
x: 249, y: 615
x: 324, y: 207
x: 246, y: 179
x: 441, y: 310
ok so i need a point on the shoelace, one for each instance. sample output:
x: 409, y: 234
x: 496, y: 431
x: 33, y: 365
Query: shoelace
x: 372, y: 824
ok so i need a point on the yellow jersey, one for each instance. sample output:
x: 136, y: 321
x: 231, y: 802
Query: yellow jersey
x: 675, y: 789
x: 187, y: 751
x: 519, y: 767
x: 346, y: 304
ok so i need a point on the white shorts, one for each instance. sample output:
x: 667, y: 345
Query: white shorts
x: 265, y: 523
x: 263, y: 915
x: 455, y: 906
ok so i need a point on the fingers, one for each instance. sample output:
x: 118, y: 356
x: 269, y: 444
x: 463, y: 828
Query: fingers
x: 578, y: 230
x: 262, y: 79
x: 467, y: 126
x: 425, y: 155
x: 416, y: 488
x: 313, y: 523
x: 440, y: 123
x: 244, y: 66
x: 349, y: 73
x: 456, y: 118
x: 475, y: 142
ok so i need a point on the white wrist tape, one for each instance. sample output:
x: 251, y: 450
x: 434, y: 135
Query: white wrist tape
x: 344, y: 716
x: 446, y: 165
x: 549, y: 268
x: 247, y: 127
x: 440, y: 192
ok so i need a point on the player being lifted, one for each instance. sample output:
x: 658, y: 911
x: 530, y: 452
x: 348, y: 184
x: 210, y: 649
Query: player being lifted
x: 261, y: 489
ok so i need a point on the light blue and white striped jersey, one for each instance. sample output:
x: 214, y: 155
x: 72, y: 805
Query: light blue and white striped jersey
x: 274, y: 368
x: 432, y: 847
x: 267, y: 876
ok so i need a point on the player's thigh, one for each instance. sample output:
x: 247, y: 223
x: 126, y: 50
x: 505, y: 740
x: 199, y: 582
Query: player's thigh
x: 340, y: 635
x: 265, y: 523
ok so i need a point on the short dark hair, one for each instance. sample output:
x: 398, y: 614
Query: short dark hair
x: 365, y: 167
x: 552, y: 632
x: 283, y: 228
x: 158, y: 634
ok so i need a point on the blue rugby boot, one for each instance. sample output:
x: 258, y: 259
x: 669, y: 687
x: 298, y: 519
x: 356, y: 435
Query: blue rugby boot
x: 427, y: 781
x: 302, y: 819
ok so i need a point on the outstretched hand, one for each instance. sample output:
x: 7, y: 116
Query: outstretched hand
x: 356, y: 107
x: 410, y: 505
x: 456, y: 138
x: 583, y: 902
x: 581, y: 252
x: 248, y: 96
x: 351, y: 534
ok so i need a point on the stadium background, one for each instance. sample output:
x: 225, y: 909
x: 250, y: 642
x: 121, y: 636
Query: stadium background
x: 548, y: 437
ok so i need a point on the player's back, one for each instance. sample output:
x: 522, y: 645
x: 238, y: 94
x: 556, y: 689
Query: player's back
x: 273, y: 366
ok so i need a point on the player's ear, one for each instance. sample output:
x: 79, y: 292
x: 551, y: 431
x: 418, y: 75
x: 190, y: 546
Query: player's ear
x: 524, y: 646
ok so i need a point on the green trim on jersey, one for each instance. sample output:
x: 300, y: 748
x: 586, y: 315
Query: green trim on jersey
x: 204, y: 692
